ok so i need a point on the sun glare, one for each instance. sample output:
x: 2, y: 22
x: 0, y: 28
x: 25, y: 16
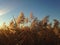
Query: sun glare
x: 3, y: 11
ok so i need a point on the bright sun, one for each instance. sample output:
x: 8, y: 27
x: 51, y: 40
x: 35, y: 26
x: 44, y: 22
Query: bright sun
x: 3, y: 11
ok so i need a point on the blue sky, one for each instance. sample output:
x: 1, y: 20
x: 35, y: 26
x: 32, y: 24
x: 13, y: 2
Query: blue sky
x: 39, y: 8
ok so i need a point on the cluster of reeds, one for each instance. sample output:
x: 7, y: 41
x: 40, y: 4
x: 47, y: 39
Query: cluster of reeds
x: 37, y: 33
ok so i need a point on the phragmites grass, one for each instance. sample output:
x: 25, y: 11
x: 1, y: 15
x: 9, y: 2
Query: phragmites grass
x: 26, y: 31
